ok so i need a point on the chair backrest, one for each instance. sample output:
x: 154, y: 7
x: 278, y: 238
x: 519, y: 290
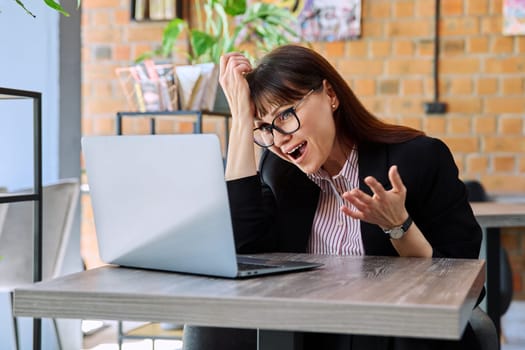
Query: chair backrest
x: 476, y: 193
x: 484, y: 329
x: 59, y: 202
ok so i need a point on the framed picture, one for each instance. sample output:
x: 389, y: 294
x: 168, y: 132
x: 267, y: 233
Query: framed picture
x: 514, y: 17
x: 155, y: 10
x: 327, y: 20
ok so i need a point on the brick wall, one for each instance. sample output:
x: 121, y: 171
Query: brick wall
x: 482, y: 80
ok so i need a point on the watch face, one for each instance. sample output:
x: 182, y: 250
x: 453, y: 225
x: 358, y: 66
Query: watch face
x: 396, y: 233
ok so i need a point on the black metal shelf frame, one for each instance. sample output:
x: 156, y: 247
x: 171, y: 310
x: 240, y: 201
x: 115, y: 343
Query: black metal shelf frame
x: 197, y: 125
x: 36, y: 196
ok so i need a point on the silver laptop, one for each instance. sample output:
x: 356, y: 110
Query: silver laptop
x: 160, y: 202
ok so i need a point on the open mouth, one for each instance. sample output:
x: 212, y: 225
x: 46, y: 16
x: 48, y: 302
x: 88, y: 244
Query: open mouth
x: 297, y: 151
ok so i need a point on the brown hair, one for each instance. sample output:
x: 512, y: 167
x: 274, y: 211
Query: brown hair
x: 285, y: 74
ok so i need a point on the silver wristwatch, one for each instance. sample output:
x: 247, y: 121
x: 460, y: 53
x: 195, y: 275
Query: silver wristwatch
x: 399, y: 231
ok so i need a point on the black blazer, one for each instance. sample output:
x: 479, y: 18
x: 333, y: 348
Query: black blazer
x: 274, y: 211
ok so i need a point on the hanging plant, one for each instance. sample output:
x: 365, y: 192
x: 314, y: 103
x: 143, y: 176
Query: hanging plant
x: 51, y: 3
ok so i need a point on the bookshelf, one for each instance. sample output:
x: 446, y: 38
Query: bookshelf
x: 36, y: 194
x: 197, y: 115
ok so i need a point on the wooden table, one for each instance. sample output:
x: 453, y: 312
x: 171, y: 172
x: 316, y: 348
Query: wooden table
x: 412, y: 297
x: 492, y: 216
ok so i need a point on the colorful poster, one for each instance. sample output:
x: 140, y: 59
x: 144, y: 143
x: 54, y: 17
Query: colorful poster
x: 326, y: 20
x: 513, y: 17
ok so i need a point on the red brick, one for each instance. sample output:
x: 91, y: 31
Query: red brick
x: 417, y: 28
x: 459, y: 126
x: 462, y: 144
x: 485, y: 125
x: 95, y: 4
x: 511, y: 125
x: 502, y: 45
x: 425, y: 8
x: 404, y: 47
x: 494, y: 144
x: 408, y: 66
x: 412, y: 87
x: 476, y: 163
x: 425, y: 47
x: 365, y: 87
x: 101, y: 18
x: 496, y: 7
x: 467, y: 65
x: 435, y: 126
x: 453, y: 47
x: 477, y: 7
x: 412, y: 122
x: 513, y: 86
x: 104, y: 126
x: 147, y: 32
x: 505, y: 105
x: 389, y: 87
x: 459, y: 26
x: 362, y: 67
x: 403, y: 8
x: 335, y: 49
x: 463, y: 104
x: 377, y: 9
x: 478, y: 44
x: 503, y: 163
x: 504, y: 183
x: 403, y: 105
x: 357, y: 48
x: 380, y: 48
x: 487, y: 86
x: 460, y: 86
x: 491, y: 25
x: 451, y: 7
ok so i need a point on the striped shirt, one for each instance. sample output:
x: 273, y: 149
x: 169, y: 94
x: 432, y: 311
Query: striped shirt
x: 333, y: 232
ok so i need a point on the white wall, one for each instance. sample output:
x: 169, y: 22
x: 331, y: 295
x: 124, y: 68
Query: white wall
x: 28, y: 61
x: 30, y: 56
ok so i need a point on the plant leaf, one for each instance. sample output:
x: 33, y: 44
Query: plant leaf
x: 201, y: 42
x: 56, y: 6
x: 171, y: 33
x: 234, y: 7
x: 25, y: 8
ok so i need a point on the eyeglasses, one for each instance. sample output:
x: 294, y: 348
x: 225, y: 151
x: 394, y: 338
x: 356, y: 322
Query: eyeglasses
x: 287, y: 122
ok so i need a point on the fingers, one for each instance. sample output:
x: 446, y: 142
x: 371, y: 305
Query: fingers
x: 395, y: 179
x: 235, y: 61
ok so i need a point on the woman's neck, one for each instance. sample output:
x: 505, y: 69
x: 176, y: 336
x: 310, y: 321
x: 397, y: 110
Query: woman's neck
x: 337, y: 159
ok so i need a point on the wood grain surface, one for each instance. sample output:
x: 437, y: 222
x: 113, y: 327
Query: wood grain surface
x: 361, y: 295
x: 498, y: 214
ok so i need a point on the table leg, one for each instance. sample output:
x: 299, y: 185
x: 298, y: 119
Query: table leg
x: 493, y: 276
x: 282, y: 340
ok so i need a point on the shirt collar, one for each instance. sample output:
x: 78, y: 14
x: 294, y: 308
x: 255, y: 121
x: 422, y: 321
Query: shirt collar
x: 321, y: 176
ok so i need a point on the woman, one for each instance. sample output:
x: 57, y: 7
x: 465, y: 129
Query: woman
x: 334, y: 179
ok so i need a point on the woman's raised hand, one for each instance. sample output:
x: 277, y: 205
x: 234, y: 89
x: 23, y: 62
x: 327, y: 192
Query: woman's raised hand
x: 233, y: 67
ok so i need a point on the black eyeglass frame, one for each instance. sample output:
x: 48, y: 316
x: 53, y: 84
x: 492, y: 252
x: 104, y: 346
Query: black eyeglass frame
x: 292, y: 111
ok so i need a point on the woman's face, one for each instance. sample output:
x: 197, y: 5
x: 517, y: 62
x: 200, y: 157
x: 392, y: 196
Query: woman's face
x: 312, y: 145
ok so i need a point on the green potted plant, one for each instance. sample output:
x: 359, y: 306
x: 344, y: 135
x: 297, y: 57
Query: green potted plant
x: 222, y: 26
x: 226, y: 26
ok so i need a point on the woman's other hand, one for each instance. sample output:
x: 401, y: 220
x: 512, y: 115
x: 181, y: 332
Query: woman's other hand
x: 384, y: 208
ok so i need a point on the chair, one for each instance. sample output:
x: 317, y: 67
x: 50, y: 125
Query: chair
x: 477, y: 193
x: 59, y: 203
x: 484, y: 329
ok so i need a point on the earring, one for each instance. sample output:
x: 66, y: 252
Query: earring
x: 333, y: 106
